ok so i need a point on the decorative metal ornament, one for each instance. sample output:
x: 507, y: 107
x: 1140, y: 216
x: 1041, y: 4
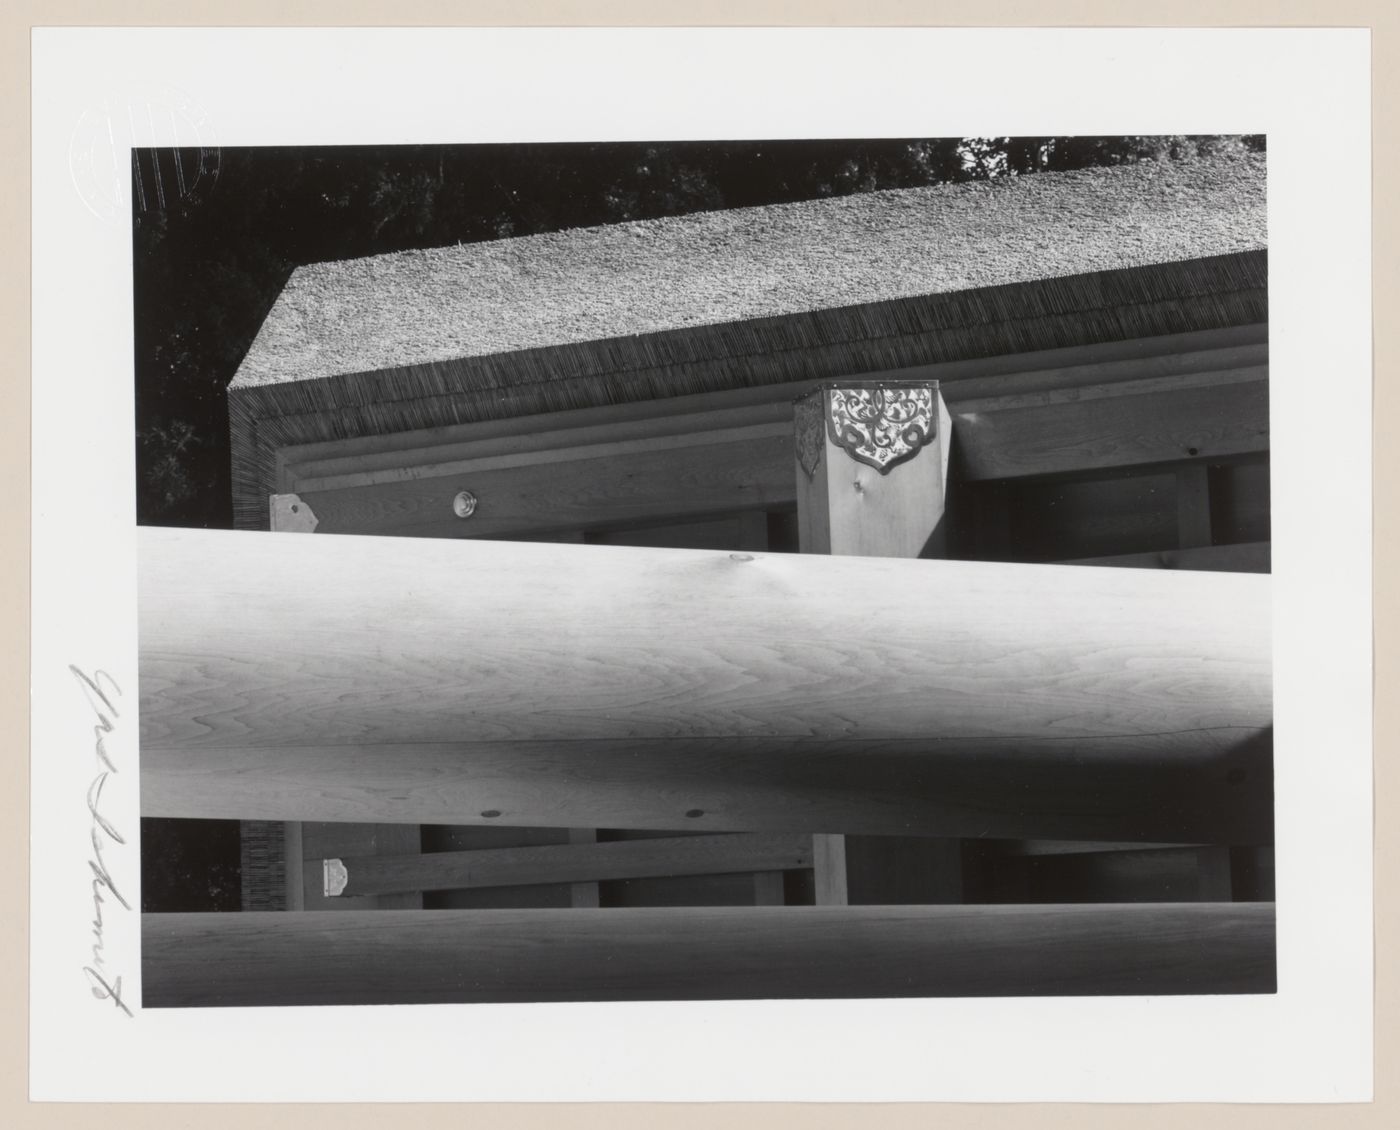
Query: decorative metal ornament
x: 291, y: 515
x: 464, y: 504
x: 807, y: 428
x: 334, y: 877
x: 882, y: 426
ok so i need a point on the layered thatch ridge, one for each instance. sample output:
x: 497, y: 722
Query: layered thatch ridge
x: 425, y: 307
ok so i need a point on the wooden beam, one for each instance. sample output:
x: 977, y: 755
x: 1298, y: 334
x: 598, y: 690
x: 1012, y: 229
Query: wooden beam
x: 378, y: 679
x: 704, y: 953
x: 1135, y: 423
x: 259, y: 640
x: 576, y: 863
x: 590, y: 484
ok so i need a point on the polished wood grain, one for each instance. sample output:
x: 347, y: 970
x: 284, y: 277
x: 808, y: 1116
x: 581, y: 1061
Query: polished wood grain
x: 379, y: 679
x: 576, y: 862
x: 278, y: 640
x: 704, y: 953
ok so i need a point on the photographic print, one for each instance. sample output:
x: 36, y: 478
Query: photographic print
x: 777, y: 569
x: 557, y: 577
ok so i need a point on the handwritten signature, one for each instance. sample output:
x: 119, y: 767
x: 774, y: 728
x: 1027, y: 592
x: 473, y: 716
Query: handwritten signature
x: 99, y: 689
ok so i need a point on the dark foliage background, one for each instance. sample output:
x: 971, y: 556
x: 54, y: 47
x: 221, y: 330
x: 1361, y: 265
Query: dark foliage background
x: 209, y: 264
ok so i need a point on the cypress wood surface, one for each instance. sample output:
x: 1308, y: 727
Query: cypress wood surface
x: 268, y: 640
x: 443, y: 956
x: 384, y: 680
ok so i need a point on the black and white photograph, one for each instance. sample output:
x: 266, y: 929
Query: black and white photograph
x: 561, y: 578
x: 776, y: 569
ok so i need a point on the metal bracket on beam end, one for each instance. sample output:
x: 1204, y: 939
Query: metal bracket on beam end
x: 291, y: 515
x: 334, y: 876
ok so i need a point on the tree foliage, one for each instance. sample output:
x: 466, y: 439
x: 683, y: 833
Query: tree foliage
x: 208, y: 266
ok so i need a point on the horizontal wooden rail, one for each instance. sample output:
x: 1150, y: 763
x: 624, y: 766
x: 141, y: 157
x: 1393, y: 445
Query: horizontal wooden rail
x: 571, y: 686
x: 1153, y: 410
x: 704, y: 953
x: 573, y: 863
x: 328, y: 463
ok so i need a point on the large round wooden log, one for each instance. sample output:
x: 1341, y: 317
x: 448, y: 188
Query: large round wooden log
x: 709, y: 953
x: 426, y: 681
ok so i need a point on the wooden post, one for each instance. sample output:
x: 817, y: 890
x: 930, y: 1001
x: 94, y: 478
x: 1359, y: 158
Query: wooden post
x: 424, y: 681
x: 704, y: 953
x: 872, y: 481
x: 583, y: 893
x: 872, y: 469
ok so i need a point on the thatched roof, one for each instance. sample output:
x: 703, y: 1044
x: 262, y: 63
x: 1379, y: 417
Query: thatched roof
x: 419, y: 308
